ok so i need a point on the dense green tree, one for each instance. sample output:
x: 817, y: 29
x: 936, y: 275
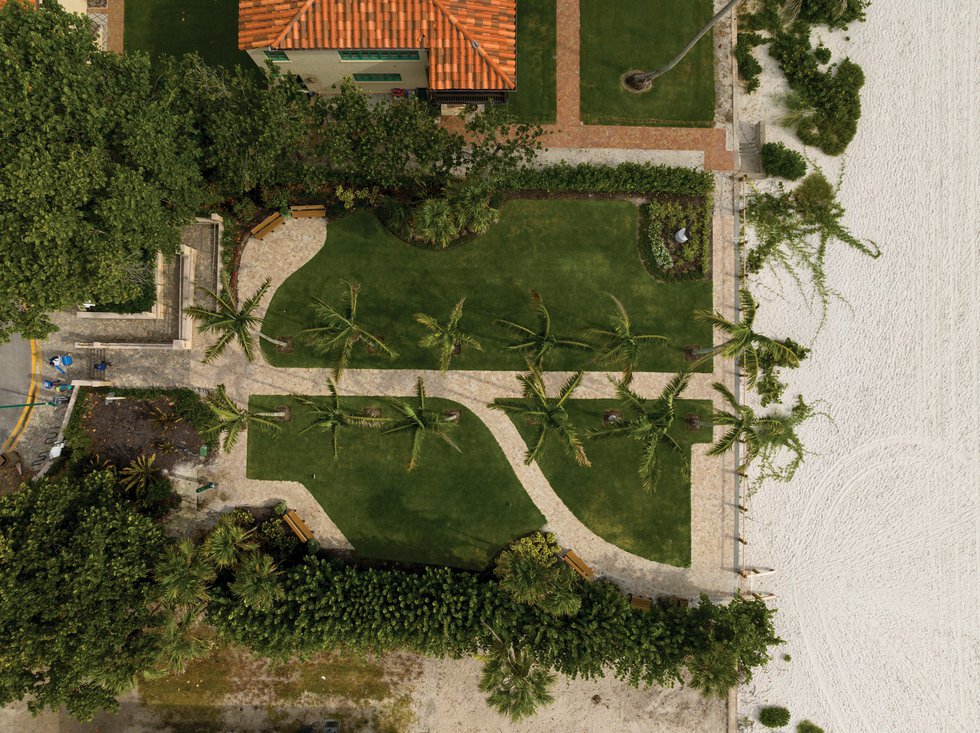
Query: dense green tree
x: 618, y: 345
x: 232, y: 420
x: 229, y: 543
x: 75, y: 594
x: 420, y: 421
x: 546, y: 414
x: 534, y: 343
x: 332, y: 417
x: 256, y: 581
x: 99, y: 168
x: 231, y: 320
x: 339, y: 330
x: 498, y: 146
x: 529, y: 571
x: 744, y: 426
x: 447, y: 338
x: 435, y: 222
x: 649, y: 423
x: 184, y: 574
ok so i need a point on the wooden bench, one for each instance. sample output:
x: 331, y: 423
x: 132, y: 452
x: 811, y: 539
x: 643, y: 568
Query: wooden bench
x: 296, y: 524
x: 309, y: 211
x: 641, y: 602
x: 578, y: 565
x: 267, y: 226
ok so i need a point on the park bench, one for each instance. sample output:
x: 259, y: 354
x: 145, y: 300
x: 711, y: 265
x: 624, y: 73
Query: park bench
x: 308, y: 211
x: 641, y: 602
x: 267, y: 226
x: 296, y: 524
x: 578, y: 565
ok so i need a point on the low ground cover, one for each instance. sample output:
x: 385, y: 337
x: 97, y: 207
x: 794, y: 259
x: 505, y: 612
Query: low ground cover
x: 573, y: 252
x: 456, y: 508
x: 535, y: 99
x: 609, y: 497
x: 644, y: 34
x: 176, y: 27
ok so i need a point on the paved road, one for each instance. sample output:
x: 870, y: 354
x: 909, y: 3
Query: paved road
x: 15, y: 382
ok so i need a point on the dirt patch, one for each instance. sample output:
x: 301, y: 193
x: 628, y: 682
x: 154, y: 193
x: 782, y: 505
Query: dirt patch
x: 119, y: 430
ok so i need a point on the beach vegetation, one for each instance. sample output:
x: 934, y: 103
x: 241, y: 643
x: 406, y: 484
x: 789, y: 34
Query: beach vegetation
x: 782, y: 162
x: 774, y: 716
x: 516, y: 685
x: 806, y: 726
x: 531, y: 572
x: 749, y: 68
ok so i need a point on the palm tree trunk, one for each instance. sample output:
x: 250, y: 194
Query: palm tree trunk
x: 271, y: 340
x: 642, y: 80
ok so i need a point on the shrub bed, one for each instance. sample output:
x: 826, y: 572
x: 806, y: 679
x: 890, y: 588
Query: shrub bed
x: 749, y: 68
x: 635, y: 178
x: 669, y: 258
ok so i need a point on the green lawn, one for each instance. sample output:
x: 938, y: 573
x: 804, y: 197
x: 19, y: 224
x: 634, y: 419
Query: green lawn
x: 176, y: 27
x: 535, y: 99
x: 644, y: 34
x: 572, y: 251
x: 609, y: 497
x: 457, y: 509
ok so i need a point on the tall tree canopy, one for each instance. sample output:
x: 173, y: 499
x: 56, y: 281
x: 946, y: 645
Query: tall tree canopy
x: 75, y: 594
x: 98, y: 169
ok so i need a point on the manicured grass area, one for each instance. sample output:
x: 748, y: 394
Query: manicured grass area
x: 535, y: 99
x: 609, y: 497
x: 573, y: 252
x: 176, y: 27
x: 644, y: 34
x: 457, y: 509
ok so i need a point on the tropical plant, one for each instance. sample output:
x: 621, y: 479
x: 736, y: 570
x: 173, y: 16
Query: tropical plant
x: 562, y: 597
x: 778, y: 160
x: 230, y: 320
x: 774, y: 716
x: 232, y: 420
x: 524, y: 577
x: 471, y: 207
x: 416, y: 418
x: 333, y: 417
x: 339, y: 330
x: 228, y: 542
x: 448, y: 338
x: 618, y: 345
x: 744, y: 426
x: 530, y: 572
x: 745, y: 345
x: 435, y: 221
x: 649, y: 423
x: 777, y: 436
x: 184, y: 575
x: 178, y: 646
x: 808, y: 726
x: 139, y: 474
x: 516, y: 685
x: 535, y: 343
x: 546, y: 414
x: 256, y: 582
x: 166, y: 420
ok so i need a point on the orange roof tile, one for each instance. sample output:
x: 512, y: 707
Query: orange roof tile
x: 472, y: 44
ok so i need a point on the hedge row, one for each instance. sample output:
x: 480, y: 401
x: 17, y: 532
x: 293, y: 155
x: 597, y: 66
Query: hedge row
x: 634, y: 178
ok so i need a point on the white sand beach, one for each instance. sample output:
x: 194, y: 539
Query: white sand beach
x: 875, y: 543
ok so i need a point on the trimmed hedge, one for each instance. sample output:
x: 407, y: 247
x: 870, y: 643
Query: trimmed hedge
x: 635, y: 178
x: 450, y: 613
x: 780, y: 161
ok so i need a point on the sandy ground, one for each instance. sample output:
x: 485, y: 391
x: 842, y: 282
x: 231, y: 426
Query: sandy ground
x: 875, y: 545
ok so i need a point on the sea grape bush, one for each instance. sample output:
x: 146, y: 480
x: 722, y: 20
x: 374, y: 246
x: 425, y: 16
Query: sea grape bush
x: 780, y: 161
x: 774, y: 716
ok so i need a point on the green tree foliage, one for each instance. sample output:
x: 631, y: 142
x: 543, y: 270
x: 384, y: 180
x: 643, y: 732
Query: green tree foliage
x: 498, y: 146
x: 618, y: 345
x: 749, y: 68
x: 448, y: 613
x: 256, y: 582
x: 228, y: 543
x: 332, y: 417
x: 230, y: 320
x: 184, y: 575
x: 232, y: 420
x: 529, y: 571
x: 516, y: 685
x: 794, y: 230
x: 448, y: 338
x: 807, y: 726
x: 99, y: 168
x: 534, y: 343
x: 419, y: 421
x: 75, y: 594
x: 780, y: 161
x: 774, y: 716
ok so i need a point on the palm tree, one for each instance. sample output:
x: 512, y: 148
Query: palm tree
x: 649, y: 422
x: 233, y: 420
x: 516, y: 685
x: 228, y: 542
x: 139, y: 474
x: 421, y: 422
x: 448, y: 338
x: 562, y: 597
x: 618, y: 344
x: 434, y: 221
x: 178, y: 646
x: 751, y: 349
x: 642, y: 80
x: 536, y: 343
x: 524, y: 577
x: 778, y: 435
x: 231, y: 321
x: 547, y: 414
x: 256, y: 582
x: 334, y: 417
x: 340, y: 330
x: 183, y: 576
x: 743, y: 426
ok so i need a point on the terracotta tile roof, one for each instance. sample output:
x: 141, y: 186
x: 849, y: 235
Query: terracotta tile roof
x: 471, y: 43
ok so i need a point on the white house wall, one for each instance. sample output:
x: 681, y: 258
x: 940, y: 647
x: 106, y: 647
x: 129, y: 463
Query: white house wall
x: 322, y: 70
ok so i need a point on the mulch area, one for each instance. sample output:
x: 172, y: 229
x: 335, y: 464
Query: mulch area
x: 120, y: 430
